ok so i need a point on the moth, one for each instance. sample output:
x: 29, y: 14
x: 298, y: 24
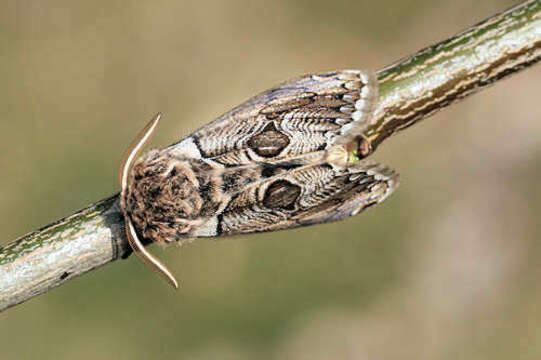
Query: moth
x: 288, y: 157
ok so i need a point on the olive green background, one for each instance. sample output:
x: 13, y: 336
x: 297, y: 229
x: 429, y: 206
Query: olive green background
x: 447, y: 268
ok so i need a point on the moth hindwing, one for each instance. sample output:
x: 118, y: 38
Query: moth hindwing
x: 288, y: 157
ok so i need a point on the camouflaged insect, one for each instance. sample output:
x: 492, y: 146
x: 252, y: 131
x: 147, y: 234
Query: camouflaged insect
x: 290, y: 156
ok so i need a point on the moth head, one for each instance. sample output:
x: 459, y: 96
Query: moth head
x: 170, y: 196
x: 124, y: 174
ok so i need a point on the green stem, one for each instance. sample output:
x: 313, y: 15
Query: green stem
x: 60, y: 251
x: 418, y: 86
x: 410, y: 90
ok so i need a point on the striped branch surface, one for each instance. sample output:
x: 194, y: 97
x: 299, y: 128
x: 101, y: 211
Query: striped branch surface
x: 410, y: 90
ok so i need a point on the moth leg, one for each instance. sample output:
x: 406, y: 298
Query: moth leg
x: 138, y: 248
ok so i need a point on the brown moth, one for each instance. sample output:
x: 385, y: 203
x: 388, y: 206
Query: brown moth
x: 288, y: 157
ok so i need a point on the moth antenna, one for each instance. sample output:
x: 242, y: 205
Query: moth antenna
x: 127, y: 161
x: 147, y: 257
x: 133, y: 150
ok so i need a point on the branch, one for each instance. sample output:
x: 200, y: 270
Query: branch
x: 419, y: 85
x: 60, y: 251
x: 410, y: 90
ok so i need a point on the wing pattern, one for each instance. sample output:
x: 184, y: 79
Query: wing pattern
x: 302, y: 115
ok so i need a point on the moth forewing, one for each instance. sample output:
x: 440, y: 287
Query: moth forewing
x: 288, y: 157
x: 303, y: 115
x: 307, y: 195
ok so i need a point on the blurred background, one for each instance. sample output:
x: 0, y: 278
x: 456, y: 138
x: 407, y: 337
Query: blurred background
x: 448, y: 267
